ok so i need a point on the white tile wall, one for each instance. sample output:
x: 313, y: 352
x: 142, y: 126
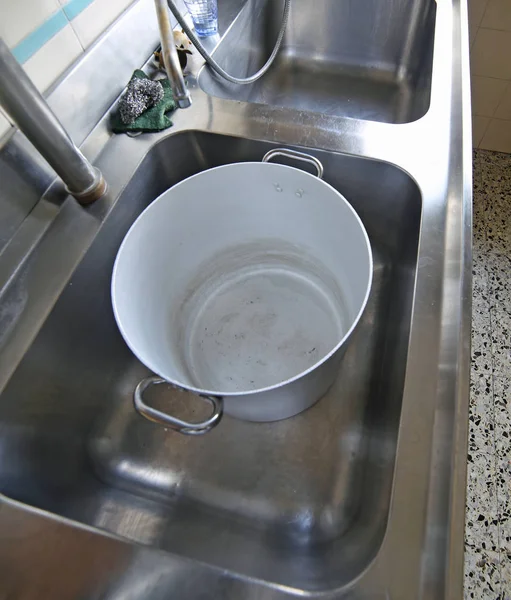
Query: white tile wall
x: 5, y: 124
x: 18, y: 18
x: 21, y: 18
x: 90, y: 23
x: 490, y: 53
x: 48, y: 63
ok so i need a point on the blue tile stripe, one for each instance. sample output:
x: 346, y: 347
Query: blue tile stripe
x: 74, y: 7
x: 37, y: 39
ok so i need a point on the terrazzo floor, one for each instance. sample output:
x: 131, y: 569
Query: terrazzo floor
x: 488, y: 518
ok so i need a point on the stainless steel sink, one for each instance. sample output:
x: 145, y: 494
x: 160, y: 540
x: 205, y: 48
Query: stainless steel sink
x: 360, y: 497
x: 365, y: 59
x: 306, y: 498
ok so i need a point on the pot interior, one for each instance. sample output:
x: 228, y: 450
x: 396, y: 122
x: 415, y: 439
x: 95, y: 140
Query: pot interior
x: 256, y: 316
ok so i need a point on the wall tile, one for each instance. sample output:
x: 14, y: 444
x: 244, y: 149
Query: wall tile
x: 504, y: 109
x: 491, y: 54
x: 42, y: 35
x: 486, y: 95
x: 91, y: 22
x: 479, y: 125
x: 18, y: 18
x: 497, y: 136
x: 5, y: 124
x: 53, y: 58
x: 497, y: 15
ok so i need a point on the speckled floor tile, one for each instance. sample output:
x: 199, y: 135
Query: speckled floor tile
x: 481, y: 335
x: 479, y: 225
x: 480, y: 215
x: 496, y: 185
x: 503, y: 471
x: 482, y: 574
x: 502, y: 416
x: 482, y: 517
x: 505, y: 575
x: 479, y: 278
x: 501, y: 342
x: 481, y: 426
x: 488, y: 519
x: 495, y: 168
x: 498, y: 268
x: 499, y: 233
x: 481, y: 415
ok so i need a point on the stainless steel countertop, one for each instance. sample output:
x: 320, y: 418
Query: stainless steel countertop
x: 43, y: 555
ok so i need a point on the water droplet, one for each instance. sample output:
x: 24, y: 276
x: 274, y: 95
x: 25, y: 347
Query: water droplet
x: 299, y: 193
x: 277, y: 187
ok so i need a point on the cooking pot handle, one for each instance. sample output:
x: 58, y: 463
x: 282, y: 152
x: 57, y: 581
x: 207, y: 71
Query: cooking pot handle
x: 295, y: 154
x: 173, y: 422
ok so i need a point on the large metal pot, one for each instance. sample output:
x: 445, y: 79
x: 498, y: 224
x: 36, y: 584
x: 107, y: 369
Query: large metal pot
x: 242, y: 284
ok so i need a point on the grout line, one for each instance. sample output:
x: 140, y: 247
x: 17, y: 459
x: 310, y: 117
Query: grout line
x: 484, y: 132
x: 74, y: 7
x: 66, y: 9
x: 84, y: 48
x: 78, y: 38
x: 502, y: 97
x: 474, y: 39
x: 484, y: 12
x: 490, y: 77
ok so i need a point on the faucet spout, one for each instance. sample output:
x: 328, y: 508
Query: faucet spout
x: 29, y: 110
x: 170, y: 56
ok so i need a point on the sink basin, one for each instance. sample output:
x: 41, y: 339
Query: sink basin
x: 365, y: 59
x: 302, y: 502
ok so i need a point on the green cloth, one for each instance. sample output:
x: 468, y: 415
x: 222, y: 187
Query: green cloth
x: 154, y: 118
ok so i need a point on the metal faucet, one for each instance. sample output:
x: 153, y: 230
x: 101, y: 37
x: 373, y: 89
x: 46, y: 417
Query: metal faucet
x: 170, y: 56
x: 29, y: 110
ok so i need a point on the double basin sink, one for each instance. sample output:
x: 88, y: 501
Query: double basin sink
x: 358, y: 497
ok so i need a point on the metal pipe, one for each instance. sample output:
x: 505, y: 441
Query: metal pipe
x: 170, y: 56
x: 29, y: 110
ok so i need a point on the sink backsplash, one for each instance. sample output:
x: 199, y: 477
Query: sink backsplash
x: 49, y: 36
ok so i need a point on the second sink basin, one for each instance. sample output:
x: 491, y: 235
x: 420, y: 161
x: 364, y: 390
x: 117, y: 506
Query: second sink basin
x: 365, y: 59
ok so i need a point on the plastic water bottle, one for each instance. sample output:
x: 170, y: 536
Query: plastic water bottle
x: 204, y: 15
